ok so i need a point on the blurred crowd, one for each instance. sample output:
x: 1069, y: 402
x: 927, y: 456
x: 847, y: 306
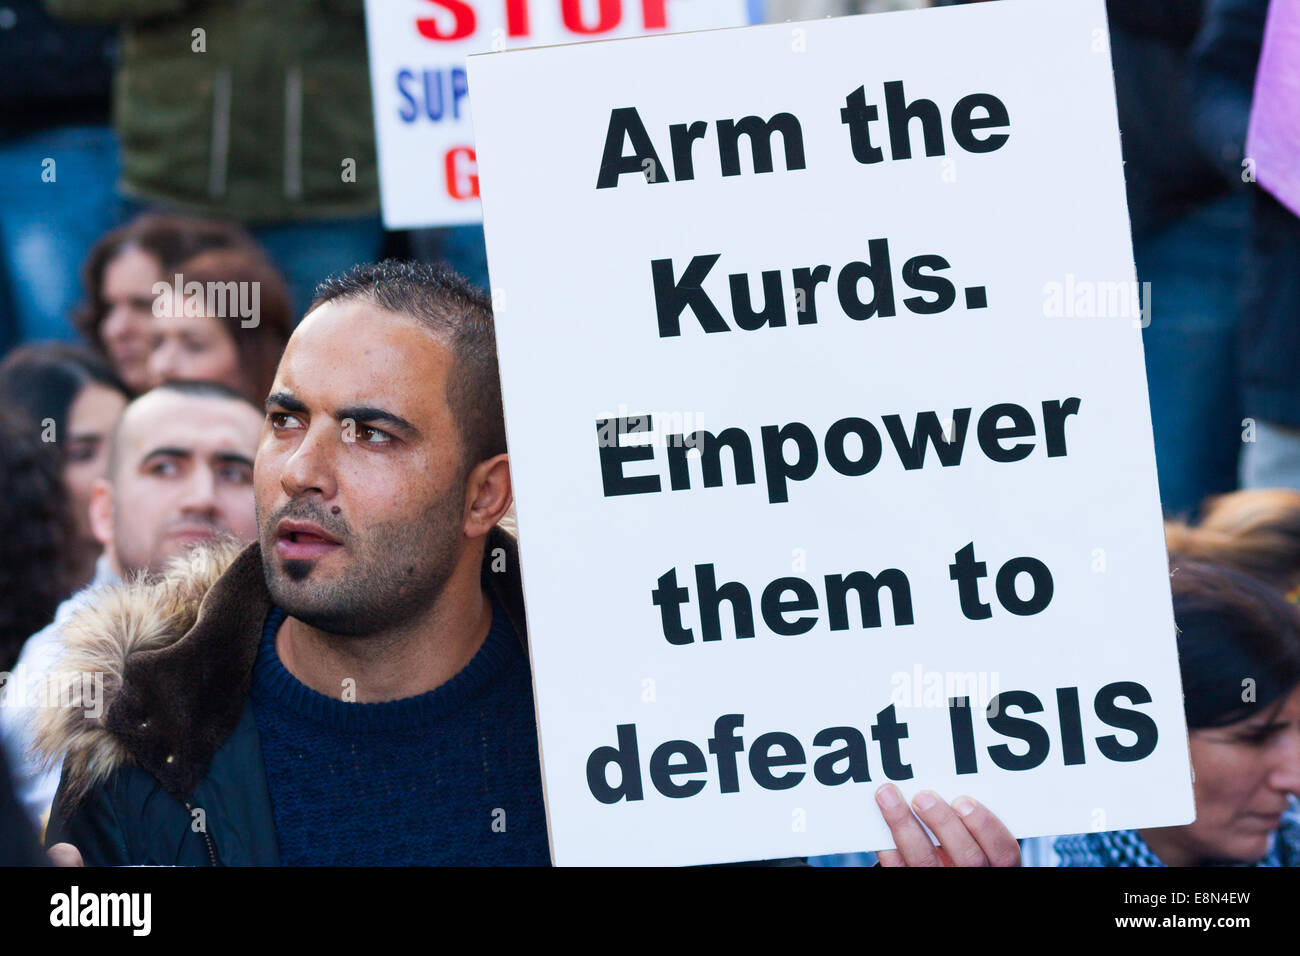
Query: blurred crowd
x: 166, y: 217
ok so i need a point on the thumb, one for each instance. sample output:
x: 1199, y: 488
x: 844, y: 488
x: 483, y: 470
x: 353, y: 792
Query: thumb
x: 64, y: 854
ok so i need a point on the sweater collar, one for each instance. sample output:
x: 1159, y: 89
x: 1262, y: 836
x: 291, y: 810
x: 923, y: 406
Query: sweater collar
x: 276, y: 689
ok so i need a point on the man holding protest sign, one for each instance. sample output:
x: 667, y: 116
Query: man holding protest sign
x: 354, y: 688
x: 967, y: 278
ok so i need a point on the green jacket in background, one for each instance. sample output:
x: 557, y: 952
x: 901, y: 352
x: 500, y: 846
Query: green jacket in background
x: 255, y: 118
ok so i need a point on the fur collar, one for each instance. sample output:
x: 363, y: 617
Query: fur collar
x: 176, y: 655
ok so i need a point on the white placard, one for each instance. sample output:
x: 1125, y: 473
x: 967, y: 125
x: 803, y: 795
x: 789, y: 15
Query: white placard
x: 953, y: 488
x: 424, y: 136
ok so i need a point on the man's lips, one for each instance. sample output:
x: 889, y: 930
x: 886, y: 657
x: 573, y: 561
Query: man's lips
x: 302, y: 541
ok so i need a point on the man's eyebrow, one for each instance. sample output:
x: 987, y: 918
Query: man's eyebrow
x: 166, y: 452
x: 232, y: 457
x: 286, y: 401
x: 1266, y: 725
x: 373, y: 415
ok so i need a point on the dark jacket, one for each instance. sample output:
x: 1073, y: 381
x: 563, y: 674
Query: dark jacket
x: 171, y: 773
x: 1226, y: 59
x: 52, y: 73
x: 253, y: 117
x: 1166, y: 173
x: 1166, y: 176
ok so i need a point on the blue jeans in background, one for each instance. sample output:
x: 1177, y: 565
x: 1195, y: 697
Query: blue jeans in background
x: 1194, y: 266
x: 48, y: 222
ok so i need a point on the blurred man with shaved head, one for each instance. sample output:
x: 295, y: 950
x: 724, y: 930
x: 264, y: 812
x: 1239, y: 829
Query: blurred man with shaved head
x: 180, y: 474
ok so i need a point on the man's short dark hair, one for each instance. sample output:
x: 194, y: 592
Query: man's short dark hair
x: 182, y: 387
x: 460, y: 315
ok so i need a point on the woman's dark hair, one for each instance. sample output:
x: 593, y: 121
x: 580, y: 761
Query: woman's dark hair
x: 1238, y: 643
x: 43, y: 380
x: 38, y: 530
x: 169, y: 239
x: 262, y: 342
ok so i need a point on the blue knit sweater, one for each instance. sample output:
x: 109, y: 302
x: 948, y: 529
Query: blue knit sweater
x: 448, y: 777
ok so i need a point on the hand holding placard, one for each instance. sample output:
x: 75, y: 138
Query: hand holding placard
x: 969, y: 835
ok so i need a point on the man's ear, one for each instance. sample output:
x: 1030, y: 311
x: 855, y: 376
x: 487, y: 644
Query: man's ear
x: 488, y: 494
x: 101, y: 513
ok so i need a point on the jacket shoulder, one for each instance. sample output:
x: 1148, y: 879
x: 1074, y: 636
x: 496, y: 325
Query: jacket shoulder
x: 101, y: 641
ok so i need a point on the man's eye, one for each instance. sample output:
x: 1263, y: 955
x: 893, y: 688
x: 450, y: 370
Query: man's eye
x: 81, y: 451
x: 163, y: 468
x: 373, y: 436
x: 236, y: 474
x: 1259, y: 737
x: 283, y: 420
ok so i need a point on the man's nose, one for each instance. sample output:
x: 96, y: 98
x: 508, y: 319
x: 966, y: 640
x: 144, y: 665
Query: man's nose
x: 112, y: 326
x: 200, y: 494
x: 162, y: 363
x: 310, y: 468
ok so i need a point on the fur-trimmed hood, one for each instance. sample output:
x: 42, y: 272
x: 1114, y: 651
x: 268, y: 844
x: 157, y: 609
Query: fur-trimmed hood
x: 176, y: 657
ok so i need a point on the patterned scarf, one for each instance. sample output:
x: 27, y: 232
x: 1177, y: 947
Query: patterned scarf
x: 1127, y: 848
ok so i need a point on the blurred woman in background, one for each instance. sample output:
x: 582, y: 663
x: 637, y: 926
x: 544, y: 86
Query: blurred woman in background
x: 72, y: 400
x: 231, y: 330
x: 119, y: 277
x: 1239, y: 654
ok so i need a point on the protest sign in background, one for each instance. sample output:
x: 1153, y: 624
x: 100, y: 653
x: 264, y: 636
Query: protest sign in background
x: 424, y: 137
x: 884, y: 262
